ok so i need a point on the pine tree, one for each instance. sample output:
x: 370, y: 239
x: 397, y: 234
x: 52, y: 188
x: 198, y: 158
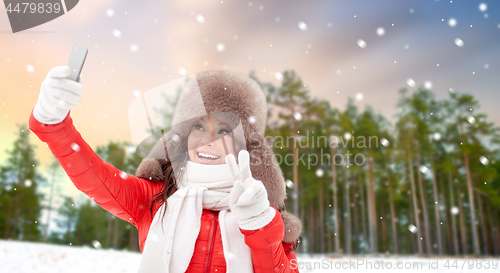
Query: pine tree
x: 21, y: 180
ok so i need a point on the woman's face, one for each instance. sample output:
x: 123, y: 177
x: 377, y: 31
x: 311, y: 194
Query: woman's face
x: 203, y: 149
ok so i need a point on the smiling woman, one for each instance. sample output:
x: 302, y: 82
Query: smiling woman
x: 209, y: 144
x: 205, y: 214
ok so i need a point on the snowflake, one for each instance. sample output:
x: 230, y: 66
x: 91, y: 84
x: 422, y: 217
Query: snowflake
x: 117, y: 33
x: 361, y: 43
x: 302, y: 26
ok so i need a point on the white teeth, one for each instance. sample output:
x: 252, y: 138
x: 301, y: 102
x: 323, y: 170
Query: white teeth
x: 208, y: 155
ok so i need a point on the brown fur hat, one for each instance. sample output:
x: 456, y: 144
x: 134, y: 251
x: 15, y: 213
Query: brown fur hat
x: 223, y: 91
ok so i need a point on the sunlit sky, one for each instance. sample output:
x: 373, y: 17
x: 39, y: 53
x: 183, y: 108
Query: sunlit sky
x: 318, y: 39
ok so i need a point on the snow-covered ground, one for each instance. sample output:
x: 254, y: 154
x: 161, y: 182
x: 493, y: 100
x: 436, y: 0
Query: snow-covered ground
x: 30, y: 257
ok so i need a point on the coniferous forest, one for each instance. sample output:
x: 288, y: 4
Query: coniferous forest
x: 424, y: 181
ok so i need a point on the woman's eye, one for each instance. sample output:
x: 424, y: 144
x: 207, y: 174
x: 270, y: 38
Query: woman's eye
x: 198, y: 127
x: 223, y: 131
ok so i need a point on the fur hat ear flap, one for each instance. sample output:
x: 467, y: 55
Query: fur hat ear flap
x: 265, y: 168
x: 150, y: 169
x: 293, y: 227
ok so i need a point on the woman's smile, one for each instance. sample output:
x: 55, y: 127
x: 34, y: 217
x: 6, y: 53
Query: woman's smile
x: 206, y: 157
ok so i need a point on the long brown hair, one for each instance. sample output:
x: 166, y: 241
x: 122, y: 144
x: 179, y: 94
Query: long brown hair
x: 169, y: 183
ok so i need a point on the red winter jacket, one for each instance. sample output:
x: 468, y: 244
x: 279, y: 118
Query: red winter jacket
x: 126, y: 199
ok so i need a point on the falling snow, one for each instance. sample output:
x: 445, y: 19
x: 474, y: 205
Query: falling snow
x: 134, y: 48
x: 452, y: 22
x: 220, y: 47
x: 96, y: 244
x: 302, y: 26
x: 30, y: 68
x: 484, y: 160
x: 117, y: 33
x: 176, y: 137
x: 200, y: 18
x: 361, y: 43
x: 384, y: 142
x: 28, y: 183
x: 483, y: 7
x: 410, y: 82
x: 380, y: 31
x: 75, y: 147
x: 412, y: 228
x: 110, y: 12
x: 297, y: 116
x: 459, y: 42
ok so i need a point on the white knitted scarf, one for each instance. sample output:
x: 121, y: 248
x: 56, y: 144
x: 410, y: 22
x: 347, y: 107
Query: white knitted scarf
x: 170, y: 249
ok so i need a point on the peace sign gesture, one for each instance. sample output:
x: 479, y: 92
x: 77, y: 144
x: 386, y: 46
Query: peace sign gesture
x: 248, y: 198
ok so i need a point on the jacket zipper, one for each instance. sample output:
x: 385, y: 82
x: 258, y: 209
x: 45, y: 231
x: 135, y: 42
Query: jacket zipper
x: 211, y: 242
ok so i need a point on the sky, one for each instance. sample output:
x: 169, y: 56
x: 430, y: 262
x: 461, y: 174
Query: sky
x: 362, y: 49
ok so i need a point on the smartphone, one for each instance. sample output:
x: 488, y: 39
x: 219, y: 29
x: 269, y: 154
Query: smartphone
x: 76, y: 61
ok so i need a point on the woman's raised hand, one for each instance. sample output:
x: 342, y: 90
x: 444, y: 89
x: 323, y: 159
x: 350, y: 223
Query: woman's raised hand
x: 247, y: 199
x: 57, y: 96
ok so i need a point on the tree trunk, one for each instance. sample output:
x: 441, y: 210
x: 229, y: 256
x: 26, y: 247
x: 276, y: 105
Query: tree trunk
x: 475, y: 238
x: 413, y: 248
x: 423, y: 200
x: 494, y: 238
x: 329, y: 245
x: 9, y: 213
x: 498, y: 228
x: 132, y: 239
x: 384, y: 229
x: 321, y: 217
x: 355, y: 214
x: 108, y: 234
x: 414, y: 197
x: 445, y: 224
x: 361, y: 190
x: 463, y: 232
x: 391, y: 205
x: 295, y: 165
x: 310, y: 245
x: 347, y: 215
x: 335, y: 203
x: 372, y: 211
x: 50, y: 208
x: 484, y: 230
x: 116, y: 234
x: 453, y: 222
x: 301, y: 216
x: 436, y: 206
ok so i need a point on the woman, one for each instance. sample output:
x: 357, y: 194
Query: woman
x: 256, y: 233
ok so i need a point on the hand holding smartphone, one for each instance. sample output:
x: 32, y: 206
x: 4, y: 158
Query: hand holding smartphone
x: 62, y: 89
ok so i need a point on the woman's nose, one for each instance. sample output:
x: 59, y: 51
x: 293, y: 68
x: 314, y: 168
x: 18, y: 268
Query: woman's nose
x: 207, y: 140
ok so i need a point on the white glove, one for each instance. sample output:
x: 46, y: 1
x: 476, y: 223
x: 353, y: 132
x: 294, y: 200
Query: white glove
x: 57, y: 96
x: 248, y: 200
